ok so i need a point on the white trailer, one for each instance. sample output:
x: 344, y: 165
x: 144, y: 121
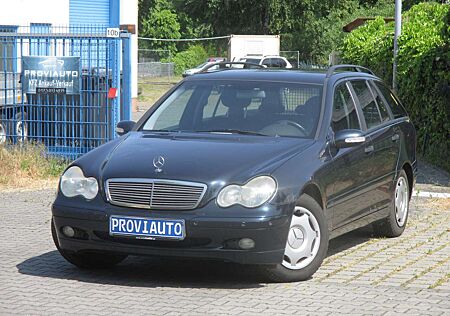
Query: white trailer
x: 253, y: 45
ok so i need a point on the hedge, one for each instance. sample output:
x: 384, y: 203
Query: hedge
x: 423, y: 70
x: 193, y: 56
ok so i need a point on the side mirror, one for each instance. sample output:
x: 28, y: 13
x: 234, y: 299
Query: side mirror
x: 124, y: 127
x: 349, y: 138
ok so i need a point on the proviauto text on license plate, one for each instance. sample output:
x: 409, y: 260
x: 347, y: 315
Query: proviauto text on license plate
x: 147, y: 227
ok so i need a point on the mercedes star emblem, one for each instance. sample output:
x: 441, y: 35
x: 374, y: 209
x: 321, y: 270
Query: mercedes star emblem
x: 158, y: 162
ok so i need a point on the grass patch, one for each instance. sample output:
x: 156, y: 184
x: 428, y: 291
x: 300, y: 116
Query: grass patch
x: 27, y: 166
x: 151, y: 89
x: 441, y: 281
x: 150, y: 93
x: 438, y: 204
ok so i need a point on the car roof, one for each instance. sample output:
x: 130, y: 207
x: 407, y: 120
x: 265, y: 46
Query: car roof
x: 281, y: 75
x: 273, y: 56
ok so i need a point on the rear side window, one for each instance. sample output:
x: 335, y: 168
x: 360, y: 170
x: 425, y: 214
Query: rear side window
x: 382, y: 106
x: 281, y: 63
x: 396, y: 108
x: 367, y: 102
x: 274, y: 63
x: 344, y: 111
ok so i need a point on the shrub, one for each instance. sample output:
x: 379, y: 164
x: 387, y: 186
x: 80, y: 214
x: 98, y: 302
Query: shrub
x: 189, y: 58
x: 22, y: 165
x: 423, y: 70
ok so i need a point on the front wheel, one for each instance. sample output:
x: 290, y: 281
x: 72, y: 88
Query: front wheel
x: 306, y: 244
x: 87, y: 260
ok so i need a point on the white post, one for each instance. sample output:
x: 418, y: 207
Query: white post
x: 397, y: 32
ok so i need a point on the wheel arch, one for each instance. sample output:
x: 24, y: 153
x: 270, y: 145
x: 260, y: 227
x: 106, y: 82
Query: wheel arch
x: 410, y: 175
x: 313, y: 191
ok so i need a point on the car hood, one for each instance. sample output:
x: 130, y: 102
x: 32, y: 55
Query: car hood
x: 200, y: 157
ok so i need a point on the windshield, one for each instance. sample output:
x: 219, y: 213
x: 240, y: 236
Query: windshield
x: 202, y: 65
x: 244, y: 107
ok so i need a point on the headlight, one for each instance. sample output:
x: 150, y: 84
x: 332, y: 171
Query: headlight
x: 252, y: 194
x: 73, y: 183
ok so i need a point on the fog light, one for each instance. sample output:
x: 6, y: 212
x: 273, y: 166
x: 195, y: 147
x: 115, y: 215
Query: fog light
x: 68, y: 231
x: 246, y: 243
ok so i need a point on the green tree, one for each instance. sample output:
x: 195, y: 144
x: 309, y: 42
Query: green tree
x: 224, y: 17
x: 423, y: 70
x: 312, y: 27
x: 159, y: 22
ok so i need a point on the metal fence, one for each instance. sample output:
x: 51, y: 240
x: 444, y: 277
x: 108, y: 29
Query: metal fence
x: 59, y: 87
x: 154, y: 63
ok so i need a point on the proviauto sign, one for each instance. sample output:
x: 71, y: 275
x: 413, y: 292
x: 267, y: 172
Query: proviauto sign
x: 49, y: 74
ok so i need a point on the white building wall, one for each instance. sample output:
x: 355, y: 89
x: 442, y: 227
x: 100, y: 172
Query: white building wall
x: 24, y: 12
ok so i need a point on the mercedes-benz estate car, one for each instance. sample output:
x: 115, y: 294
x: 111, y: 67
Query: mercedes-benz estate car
x: 252, y: 166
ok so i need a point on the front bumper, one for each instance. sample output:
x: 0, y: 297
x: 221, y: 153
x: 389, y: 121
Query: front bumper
x: 206, y: 236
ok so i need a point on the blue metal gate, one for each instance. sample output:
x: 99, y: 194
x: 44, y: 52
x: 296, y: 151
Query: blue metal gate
x: 60, y: 88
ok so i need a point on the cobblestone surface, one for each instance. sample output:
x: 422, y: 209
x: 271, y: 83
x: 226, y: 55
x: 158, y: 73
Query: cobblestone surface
x: 361, y: 275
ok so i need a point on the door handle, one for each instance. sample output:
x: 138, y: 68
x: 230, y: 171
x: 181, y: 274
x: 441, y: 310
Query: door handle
x: 395, y: 137
x: 369, y: 149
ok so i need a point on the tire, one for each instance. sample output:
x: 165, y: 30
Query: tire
x: 3, y: 134
x: 21, y: 127
x: 394, y: 225
x: 315, y: 248
x: 88, y: 260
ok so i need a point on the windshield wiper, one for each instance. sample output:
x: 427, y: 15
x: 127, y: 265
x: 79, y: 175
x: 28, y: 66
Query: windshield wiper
x: 232, y: 131
x: 162, y: 130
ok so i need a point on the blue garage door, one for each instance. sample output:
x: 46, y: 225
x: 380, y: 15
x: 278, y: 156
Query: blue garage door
x: 94, y: 16
x: 89, y: 12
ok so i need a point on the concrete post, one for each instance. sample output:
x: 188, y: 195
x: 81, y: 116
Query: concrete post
x: 397, y: 32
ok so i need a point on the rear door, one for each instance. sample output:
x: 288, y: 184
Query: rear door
x: 350, y: 167
x: 378, y: 122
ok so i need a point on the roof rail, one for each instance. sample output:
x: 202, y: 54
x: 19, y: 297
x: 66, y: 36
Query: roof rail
x: 223, y: 65
x: 356, y: 68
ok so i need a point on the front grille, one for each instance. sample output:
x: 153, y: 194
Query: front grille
x: 155, y: 194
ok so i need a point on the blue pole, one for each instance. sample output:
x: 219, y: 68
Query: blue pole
x: 126, y: 76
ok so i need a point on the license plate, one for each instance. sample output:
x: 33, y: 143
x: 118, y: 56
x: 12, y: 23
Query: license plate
x: 147, y: 227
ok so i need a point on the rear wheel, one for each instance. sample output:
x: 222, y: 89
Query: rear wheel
x: 306, y: 244
x: 395, y: 223
x: 87, y: 260
x: 21, y: 128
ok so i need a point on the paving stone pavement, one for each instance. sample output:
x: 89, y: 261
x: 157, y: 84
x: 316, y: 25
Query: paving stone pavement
x: 361, y: 275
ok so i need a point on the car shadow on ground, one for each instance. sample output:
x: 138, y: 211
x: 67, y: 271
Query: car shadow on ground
x: 147, y: 272
x: 162, y: 272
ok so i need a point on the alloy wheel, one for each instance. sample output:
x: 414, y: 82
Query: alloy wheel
x: 401, y: 201
x: 21, y: 131
x: 303, y: 240
x: 2, y: 134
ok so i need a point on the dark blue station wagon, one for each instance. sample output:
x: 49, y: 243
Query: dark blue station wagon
x: 253, y: 166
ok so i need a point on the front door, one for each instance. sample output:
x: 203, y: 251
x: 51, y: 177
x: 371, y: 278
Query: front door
x: 350, y: 167
x: 382, y: 132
